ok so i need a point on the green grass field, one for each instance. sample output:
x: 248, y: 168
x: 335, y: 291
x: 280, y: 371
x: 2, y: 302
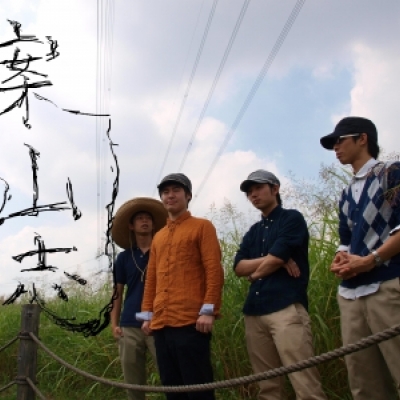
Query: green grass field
x: 99, y: 355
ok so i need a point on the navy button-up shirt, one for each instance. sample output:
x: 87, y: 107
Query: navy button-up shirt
x: 283, y: 234
x: 127, y: 273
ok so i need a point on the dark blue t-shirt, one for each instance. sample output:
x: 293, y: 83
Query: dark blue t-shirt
x: 127, y: 273
x: 283, y: 234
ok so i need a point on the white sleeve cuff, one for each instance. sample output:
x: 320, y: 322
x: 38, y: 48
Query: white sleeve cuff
x: 394, y: 230
x: 144, y: 316
x: 207, y: 309
x: 342, y: 247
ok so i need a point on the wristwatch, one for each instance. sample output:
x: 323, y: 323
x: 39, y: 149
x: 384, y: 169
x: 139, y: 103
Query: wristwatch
x: 377, y: 257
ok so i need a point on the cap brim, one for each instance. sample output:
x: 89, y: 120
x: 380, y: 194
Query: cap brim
x: 245, y: 185
x: 173, y: 181
x: 120, y: 230
x: 328, y: 141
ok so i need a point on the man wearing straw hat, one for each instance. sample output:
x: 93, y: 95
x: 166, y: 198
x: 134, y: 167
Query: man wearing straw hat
x: 134, y: 226
x: 182, y: 295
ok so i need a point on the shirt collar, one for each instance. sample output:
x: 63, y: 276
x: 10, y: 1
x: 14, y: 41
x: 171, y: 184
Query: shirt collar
x: 180, y: 219
x: 272, y: 215
x: 364, y: 170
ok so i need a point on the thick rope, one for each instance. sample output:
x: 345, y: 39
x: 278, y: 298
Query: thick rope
x: 7, y: 386
x: 310, y: 362
x: 8, y: 344
x: 35, y: 389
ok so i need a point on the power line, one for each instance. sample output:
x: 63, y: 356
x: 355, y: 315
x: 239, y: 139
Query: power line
x: 105, y: 22
x: 216, y: 79
x: 183, y: 69
x: 278, y: 44
x: 185, y: 96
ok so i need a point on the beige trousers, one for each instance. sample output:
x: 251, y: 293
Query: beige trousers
x: 132, y: 349
x: 280, y: 339
x: 371, y: 370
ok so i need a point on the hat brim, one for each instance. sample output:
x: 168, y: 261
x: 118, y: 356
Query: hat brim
x: 328, y: 141
x: 120, y: 230
x: 245, y: 185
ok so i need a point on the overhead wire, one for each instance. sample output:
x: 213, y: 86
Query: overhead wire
x: 216, y: 79
x: 105, y: 28
x: 185, y: 96
x: 277, y: 46
x: 184, y: 65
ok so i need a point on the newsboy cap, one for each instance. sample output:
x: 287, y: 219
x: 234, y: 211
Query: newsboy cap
x: 259, y: 176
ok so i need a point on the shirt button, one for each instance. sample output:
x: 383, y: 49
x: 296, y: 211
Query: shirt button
x: 257, y: 293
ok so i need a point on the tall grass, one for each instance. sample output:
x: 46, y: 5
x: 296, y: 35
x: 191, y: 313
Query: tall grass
x: 99, y: 355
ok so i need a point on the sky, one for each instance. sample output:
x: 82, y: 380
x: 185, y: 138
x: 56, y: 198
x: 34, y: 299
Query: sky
x: 134, y: 60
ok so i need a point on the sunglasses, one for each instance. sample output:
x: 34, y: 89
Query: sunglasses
x: 340, y: 139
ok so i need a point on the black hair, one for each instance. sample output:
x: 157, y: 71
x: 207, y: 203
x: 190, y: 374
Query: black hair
x: 140, y: 212
x: 373, y: 147
x: 278, y: 195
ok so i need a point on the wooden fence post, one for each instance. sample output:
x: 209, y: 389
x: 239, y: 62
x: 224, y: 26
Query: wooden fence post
x: 27, y: 352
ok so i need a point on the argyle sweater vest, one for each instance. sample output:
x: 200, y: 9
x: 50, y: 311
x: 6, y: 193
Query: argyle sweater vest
x: 366, y: 226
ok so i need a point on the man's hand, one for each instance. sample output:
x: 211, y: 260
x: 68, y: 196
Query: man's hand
x: 205, y: 323
x: 117, y: 332
x: 146, y: 328
x: 346, y: 266
x: 292, y: 268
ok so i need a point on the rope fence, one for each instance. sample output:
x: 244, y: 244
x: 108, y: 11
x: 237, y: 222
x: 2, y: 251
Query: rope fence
x: 9, y: 343
x: 7, y: 386
x: 27, y: 381
x: 35, y: 389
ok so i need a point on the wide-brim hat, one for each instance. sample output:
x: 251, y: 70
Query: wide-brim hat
x: 120, y: 230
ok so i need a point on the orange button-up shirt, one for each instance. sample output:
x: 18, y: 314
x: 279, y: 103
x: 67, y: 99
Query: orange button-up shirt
x: 184, y: 272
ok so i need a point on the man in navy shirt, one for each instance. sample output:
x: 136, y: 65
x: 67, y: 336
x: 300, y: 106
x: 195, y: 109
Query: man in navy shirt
x: 135, y: 223
x: 273, y: 256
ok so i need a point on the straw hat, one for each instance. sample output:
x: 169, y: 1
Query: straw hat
x: 120, y: 230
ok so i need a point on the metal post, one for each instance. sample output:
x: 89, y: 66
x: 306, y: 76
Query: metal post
x: 27, y: 352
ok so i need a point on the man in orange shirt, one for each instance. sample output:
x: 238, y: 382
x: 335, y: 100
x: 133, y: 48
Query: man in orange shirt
x: 182, y: 295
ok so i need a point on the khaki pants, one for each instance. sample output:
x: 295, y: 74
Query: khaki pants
x: 132, y: 349
x: 371, y: 370
x: 283, y: 338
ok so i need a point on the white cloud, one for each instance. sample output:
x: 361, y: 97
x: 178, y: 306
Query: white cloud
x: 155, y: 45
x: 376, y: 91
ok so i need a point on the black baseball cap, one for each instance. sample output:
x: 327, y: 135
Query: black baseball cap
x: 259, y: 176
x: 182, y: 179
x: 348, y: 126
